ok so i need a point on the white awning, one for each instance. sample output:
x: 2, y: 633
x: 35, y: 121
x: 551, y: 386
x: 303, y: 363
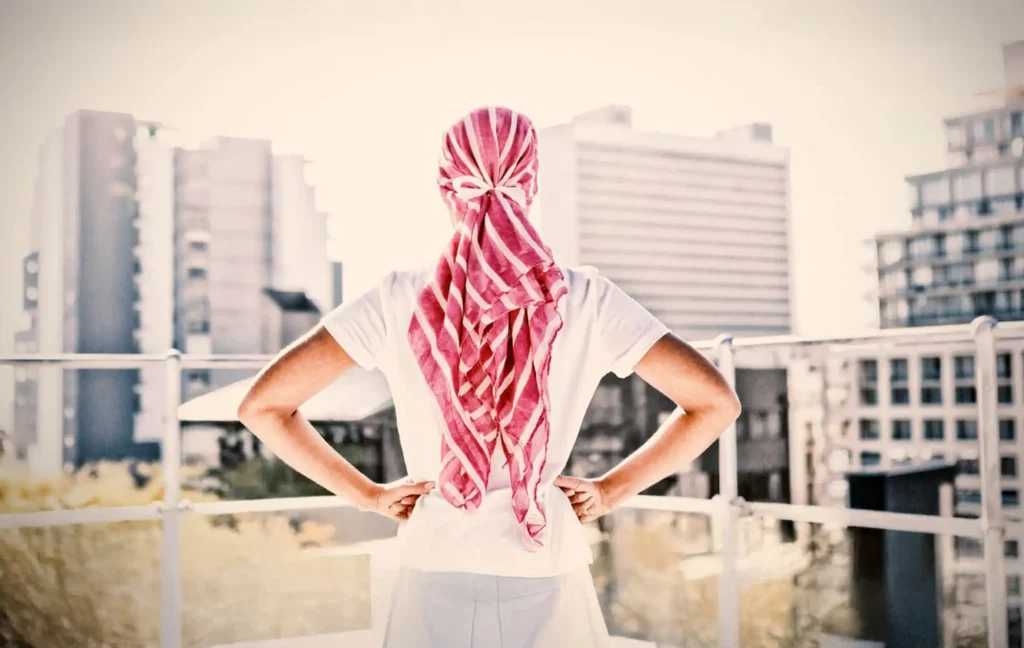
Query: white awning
x: 355, y: 395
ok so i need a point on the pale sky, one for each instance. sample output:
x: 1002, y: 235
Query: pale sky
x: 856, y: 89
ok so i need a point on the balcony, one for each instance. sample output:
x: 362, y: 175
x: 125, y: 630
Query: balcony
x: 146, y: 556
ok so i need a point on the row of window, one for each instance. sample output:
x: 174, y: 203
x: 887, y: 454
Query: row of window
x: 933, y: 429
x: 931, y: 369
x: 1007, y: 466
x: 931, y: 379
x: 1010, y: 496
x: 972, y: 548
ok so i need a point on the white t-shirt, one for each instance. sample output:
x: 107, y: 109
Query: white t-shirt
x: 604, y: 330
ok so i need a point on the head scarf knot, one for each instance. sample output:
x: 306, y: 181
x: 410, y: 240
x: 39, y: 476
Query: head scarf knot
x: 484, y: 325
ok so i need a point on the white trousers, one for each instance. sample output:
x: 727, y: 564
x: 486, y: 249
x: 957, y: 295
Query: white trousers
x: 455, y: 610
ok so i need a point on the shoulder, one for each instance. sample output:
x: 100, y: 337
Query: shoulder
x: 399, y: 286
x: 586, y: 283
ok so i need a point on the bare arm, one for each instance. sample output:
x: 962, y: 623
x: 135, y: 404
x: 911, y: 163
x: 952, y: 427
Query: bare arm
x: 271, y: 411
x: 706, y: 408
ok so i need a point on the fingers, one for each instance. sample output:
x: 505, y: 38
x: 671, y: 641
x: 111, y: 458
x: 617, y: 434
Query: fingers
x: 571, y: 483
x: 399, y: 511
x: 583, y: 496
x: 417, y: 488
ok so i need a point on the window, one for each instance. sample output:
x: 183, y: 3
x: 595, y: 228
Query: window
x: 965, y: 395
x: 934, y: 430
x: 868, y: 459
x: 968, y: 467
x: 1011, y: 497
x: 968, y: 496
x: 966, y: 430
x: 990, y: 129
x: 1011, y: 549
x: 1013, y: 585
x: 931, y: 395
x: 869, y: 430
x: 900, y: 396
x: 1007, y: 430
x: 963, y: 367
x: 898, y: 370
x: 1008, y: 466
x: 967, y: 547
x: 869, y: 372
x: 1004, y: 366
x: 901, y: 430
x: 197, y: 273
x: 931, y: 369
x: 971, y: 245
x: 1004, y: 393
x: 868, y: 396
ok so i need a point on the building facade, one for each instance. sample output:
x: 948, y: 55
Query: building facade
x: 245, y: 220
x: 964, y: 254
x: 696, y: 230
x: 859, y: 407
x: 81, y: 296
x: 138, y: 247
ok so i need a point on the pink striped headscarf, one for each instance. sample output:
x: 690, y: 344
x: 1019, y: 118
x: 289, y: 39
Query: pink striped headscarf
x: 484, y: 325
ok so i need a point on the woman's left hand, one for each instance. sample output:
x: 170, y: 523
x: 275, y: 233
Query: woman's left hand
x: 587, y: 496
x: 397, y: 499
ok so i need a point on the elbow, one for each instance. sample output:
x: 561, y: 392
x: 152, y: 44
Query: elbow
x: 248, y: 409
x: 251, y: 409
x: 729, y: 405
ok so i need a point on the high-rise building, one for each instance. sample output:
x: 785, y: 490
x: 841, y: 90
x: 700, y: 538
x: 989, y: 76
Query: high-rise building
x: 245, y: 219
x: 695, y: 229
x: 964, y: 254
x: 81, y: 295
x: 858, y: 407
x: 140, y: 247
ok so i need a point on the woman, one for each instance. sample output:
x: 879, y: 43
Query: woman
x: 492, y: 358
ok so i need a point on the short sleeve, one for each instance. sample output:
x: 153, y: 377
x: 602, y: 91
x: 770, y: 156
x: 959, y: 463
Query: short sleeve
x: 626, y: 329
x: 359, y: 327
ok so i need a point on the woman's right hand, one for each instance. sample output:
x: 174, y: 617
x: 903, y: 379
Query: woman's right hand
x: 587, y: 496
x: 397, y: 499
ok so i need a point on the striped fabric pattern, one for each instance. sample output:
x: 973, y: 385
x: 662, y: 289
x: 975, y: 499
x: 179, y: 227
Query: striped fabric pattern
x: 484, y: 324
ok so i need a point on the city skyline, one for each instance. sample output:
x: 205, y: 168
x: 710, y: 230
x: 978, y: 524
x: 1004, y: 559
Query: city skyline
x: 857, y: 94
x: 756, y: 70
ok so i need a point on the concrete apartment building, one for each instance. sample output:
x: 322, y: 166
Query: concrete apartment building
x: 857, y: 407
x: 964, y: 253
x: 138, y: 246
x: 695, y: 229
x: 80, y: 296
x: 245, y: 219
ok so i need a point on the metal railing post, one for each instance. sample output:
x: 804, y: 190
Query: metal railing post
x: 992, y: 524
x: 728, y: 515
x: 170, y: 562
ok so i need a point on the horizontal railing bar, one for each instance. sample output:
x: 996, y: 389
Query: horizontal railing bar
x: 944, y: 333
x: 885, y: 520
x: 963, y: 527
x: 673, y: 504
x: 86, y: 360
x: 922, y: 334
x: 70, y: 517
x: 270, y: 505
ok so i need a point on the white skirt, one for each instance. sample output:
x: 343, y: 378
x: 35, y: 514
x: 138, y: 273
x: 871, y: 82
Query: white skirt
x: 459, y: 610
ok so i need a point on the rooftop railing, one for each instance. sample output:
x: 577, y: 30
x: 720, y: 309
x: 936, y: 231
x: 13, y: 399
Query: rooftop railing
x: 725, y: 510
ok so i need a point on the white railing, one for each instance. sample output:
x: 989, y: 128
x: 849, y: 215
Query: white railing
x: 724, y: 509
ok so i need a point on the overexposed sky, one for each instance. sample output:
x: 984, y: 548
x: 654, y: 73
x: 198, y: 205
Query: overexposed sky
x: 857, y: 89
